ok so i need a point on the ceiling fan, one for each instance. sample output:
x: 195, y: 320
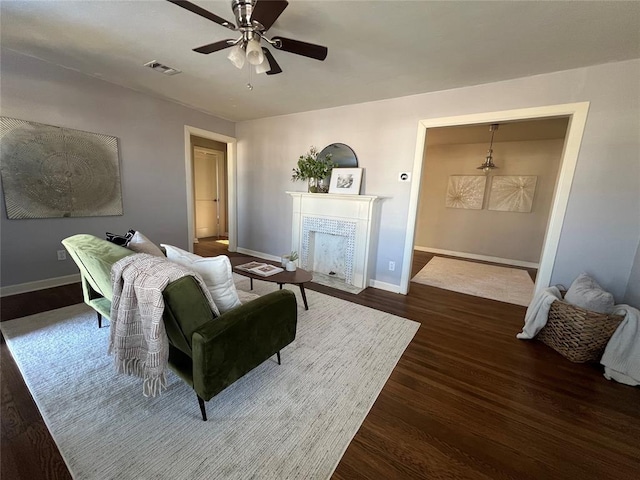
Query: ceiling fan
x: 253, y: 19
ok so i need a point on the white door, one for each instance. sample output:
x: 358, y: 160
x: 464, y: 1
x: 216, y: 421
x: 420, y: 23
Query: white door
x: 206, y: 170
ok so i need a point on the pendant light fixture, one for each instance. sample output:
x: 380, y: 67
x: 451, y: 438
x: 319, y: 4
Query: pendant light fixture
x: 488, y: 164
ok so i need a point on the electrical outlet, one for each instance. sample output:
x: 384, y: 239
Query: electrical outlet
x: 392, y: 266
x: 62, y: 254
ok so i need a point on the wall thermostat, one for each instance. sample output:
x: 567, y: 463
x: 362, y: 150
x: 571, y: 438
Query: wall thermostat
x: 404, y: 177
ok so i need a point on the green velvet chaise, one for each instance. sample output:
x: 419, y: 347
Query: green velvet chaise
x: 208, y: 353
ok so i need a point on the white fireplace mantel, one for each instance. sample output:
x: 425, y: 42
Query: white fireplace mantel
x: 356, y: 210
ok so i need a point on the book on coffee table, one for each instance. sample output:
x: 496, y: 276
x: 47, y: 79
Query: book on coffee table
x: 262, y: 269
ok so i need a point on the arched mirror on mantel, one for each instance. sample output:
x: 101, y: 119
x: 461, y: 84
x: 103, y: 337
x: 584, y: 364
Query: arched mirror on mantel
x: 341, y: 154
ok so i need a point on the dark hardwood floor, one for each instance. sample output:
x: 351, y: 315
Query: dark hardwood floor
x: 27, y: 450
x: 467, y: 399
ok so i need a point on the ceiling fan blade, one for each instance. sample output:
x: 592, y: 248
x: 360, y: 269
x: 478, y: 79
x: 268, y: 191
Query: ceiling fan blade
x: 214, y: 47
x: 275, y: 68
x: 301, y: 48
x: 203, y: 13
x: 267, y: 11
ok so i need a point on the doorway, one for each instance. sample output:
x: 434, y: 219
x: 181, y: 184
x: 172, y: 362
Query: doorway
x: 226, y: 182
x: 209, y: 180
x: 576, y: 113
x: 460, y: 219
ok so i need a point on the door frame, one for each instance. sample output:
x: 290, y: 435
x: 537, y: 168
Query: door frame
x: 577, y: 114
x: 232, y: 208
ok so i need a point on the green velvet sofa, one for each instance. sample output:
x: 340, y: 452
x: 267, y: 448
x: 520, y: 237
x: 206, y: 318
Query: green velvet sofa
x: 208, y: 353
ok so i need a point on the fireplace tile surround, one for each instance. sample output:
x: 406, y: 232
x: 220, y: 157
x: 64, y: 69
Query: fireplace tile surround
x: 329, y: 226
x: 349, y: 216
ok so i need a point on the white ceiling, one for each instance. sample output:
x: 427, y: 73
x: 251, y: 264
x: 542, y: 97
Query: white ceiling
x: 377, y: 49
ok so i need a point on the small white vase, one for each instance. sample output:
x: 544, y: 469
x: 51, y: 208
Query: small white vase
x: 291, y: 266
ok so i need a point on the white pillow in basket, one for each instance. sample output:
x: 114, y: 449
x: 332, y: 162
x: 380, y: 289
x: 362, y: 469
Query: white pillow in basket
x: 585, y: 292
x: 216, y: 273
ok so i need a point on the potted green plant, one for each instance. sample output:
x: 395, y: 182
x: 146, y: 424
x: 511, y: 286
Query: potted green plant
x: 314, y: 170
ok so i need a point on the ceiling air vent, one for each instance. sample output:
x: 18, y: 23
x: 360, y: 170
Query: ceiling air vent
x: 158, y: 67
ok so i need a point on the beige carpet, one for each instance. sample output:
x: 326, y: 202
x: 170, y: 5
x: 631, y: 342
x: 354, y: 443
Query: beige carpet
x: 510, y: 285
x: 292, y: 421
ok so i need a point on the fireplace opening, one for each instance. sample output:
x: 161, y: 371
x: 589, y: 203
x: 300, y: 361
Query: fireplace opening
x: 328, y: 250
x: 327, y: 254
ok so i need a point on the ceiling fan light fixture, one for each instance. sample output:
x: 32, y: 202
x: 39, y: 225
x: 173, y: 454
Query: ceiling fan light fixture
x: 237, y: 56
x: 263, y: 67
x: 253, y: 18
x: 254, y: 52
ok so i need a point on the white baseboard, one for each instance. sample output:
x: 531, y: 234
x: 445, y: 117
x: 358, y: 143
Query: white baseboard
x: 39, y: 285
x: 253, y: 253
x: 389, y: 287
x: 473, y: 256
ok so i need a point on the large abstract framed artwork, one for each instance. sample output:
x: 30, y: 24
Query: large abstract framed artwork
x: 512, y: 193
x: 465, y: 191
x: 53, y: 172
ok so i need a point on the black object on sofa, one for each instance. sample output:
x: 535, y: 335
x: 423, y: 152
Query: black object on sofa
x: 208, y: 353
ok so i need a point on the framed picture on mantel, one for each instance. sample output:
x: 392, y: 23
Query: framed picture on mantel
x: 346, y: 181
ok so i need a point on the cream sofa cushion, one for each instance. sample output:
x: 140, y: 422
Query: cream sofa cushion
x: 215, y: 271
x: 141, y: 244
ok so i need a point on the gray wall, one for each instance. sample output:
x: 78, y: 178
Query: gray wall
x: 150, y: 133
x: 632, y: 297
x: 506, y: 235
x: 601, y: 227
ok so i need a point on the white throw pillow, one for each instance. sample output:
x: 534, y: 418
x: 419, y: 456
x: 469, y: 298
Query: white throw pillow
x: 141, y: 244
x: 585, y: 292
x: 216, y: 273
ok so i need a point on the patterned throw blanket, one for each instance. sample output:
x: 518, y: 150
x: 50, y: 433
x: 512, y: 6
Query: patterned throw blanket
x: 137, y: 337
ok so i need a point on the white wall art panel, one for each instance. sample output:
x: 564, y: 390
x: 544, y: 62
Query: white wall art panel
x: 465, y: 191
x: 512, y: 193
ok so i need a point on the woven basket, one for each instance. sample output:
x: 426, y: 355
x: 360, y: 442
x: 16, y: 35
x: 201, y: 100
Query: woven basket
x: 579, y: 335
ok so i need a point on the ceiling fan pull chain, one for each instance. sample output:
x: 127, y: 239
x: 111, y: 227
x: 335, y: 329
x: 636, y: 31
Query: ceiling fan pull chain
x: 249, y: 85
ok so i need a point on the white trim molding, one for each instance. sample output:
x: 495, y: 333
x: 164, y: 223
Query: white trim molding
x: 474, y: 256
x: 389, y: 287
x: 577, y: 114
x: 39, y: 285
x: 253, y: 253
x: 232, y: 205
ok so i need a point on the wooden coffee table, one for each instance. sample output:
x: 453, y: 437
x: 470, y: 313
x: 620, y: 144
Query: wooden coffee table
x: 298, y: 277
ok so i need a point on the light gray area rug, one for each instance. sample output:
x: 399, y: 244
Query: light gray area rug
x: 510, y: 285
x: 290, y: 421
